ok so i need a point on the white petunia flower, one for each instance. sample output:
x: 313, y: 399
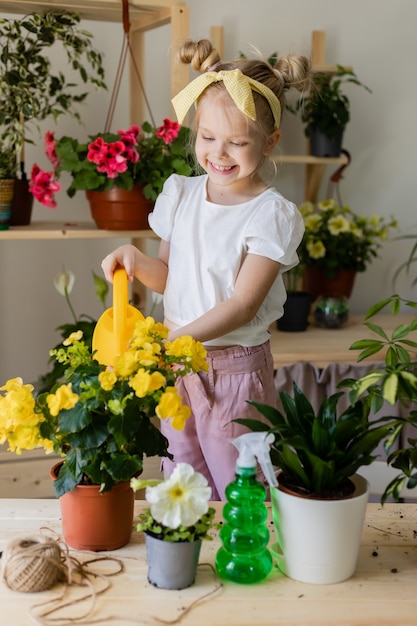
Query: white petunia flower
x: 181, y: 499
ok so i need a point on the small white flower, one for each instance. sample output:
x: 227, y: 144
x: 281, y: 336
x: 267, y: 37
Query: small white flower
x: 181, y: 499
x: 64, y: 281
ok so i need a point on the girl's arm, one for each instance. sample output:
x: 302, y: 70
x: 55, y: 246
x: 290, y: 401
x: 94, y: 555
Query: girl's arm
x: 253, y: 282
x: 152, y: 272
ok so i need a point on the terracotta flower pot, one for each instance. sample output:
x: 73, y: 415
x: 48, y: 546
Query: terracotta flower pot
x: 119, y: 209
x: 96, y: 521
x: 316, y: 282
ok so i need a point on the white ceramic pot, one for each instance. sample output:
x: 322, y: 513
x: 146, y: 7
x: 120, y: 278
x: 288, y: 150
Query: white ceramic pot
x: 318, y: 540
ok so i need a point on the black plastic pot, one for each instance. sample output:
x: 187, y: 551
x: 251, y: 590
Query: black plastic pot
x: 296, y: 312
x: 323, y: 146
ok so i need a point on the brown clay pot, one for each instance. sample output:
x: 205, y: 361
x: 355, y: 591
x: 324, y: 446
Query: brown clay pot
x: 96, y: 521
x: 119, y: 209
x: 316, y: 282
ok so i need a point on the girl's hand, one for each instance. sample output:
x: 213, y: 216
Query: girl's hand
x: 122, y: 257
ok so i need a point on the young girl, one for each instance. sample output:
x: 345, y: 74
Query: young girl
x: 226, y: 239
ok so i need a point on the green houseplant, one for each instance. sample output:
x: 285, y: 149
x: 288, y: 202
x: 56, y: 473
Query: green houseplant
x: 30, y: 90
x: 143, y: 156
x: 394, y: 382
x: 178, y: 519
x: 320, y: 502
x: 64, y: 283
x: 325, y: 110
x: 100, y: 420
x: 317, y: 452
x: 338, y: 243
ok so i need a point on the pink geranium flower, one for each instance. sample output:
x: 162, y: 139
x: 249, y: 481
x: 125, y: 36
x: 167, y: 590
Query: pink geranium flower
x: 43, y: 186
x: 140, y: 155
x: 50, y: 149
x: 168, y: 131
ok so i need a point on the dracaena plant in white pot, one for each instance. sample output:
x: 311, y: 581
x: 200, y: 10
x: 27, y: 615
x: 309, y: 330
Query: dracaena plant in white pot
x: 320, y: 502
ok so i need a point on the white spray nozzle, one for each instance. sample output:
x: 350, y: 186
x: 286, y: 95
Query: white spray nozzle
x: 254, y: 446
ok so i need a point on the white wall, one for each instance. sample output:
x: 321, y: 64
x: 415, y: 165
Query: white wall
x: 377, y: 39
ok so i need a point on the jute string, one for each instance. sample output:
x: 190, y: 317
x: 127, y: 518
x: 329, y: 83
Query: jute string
x: 38, y: 563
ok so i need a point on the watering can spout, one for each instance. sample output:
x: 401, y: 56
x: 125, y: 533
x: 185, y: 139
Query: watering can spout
x: 115, y: 326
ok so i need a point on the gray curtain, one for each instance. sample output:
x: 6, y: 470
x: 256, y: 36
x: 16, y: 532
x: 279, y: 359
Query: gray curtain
x: 317, y: 383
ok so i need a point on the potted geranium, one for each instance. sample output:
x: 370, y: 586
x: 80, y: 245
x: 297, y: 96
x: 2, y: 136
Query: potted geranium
x: 336, y: 244
x: 100, y: 418
x: 138, y: 160
x: 30, y: 89
x: 178, y: 519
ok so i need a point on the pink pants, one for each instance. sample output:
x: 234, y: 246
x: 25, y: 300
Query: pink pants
x: 216, y: 398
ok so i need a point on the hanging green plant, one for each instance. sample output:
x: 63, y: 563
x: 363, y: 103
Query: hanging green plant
x: 30, y: 89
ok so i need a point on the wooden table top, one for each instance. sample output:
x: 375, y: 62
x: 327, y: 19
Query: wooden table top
x: 381, y: 593
x: 322, y: 346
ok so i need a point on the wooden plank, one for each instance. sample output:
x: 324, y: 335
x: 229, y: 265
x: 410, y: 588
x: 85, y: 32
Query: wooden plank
x: 61, y: 230
x: 322, y: 346
x: 102, y: 10
x: 382, y: 591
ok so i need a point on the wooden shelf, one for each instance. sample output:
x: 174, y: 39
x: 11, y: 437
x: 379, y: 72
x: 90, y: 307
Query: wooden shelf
x: 152, y: 13
x: 308, y: 159
x: 143, y: 17
x: 328, y: 69
x: 80, y: 230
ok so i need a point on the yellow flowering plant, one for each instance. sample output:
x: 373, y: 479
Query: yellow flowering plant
x: 337, y: 238
x: 99, y: 418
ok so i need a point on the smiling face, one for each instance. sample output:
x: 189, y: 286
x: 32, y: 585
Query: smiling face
x: 230, y: 148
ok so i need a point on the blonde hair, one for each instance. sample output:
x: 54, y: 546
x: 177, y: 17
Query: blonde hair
x: 292, y: 71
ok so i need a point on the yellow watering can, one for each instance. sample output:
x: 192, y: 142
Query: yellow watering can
x: 115, y: 326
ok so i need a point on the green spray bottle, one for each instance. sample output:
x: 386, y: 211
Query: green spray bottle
x: 244, y: 556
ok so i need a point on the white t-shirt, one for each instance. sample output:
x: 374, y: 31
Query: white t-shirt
x: 208, y: 243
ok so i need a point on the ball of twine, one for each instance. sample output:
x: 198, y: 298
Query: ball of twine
x: 32, y: 564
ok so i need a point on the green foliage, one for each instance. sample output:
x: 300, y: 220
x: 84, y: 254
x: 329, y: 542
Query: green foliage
x: 30, y: 90
x: 412, y: 259
x: 101, y: 447
x: 200, y: 530
x: 326, y: 107
x: 395, y: 381
x: 8, y: 164
x: 157, y: 161
x: 336, y: 237
x: 320, y: 451
x: 85, y: 323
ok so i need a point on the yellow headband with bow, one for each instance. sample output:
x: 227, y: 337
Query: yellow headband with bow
x: 239, y: 87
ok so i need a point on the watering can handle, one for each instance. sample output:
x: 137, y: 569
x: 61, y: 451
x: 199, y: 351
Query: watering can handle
x: 120, y: 302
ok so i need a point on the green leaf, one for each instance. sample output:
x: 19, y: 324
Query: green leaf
x: 401, y: 331
x: 376, y: 308
x: 377, y: 329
